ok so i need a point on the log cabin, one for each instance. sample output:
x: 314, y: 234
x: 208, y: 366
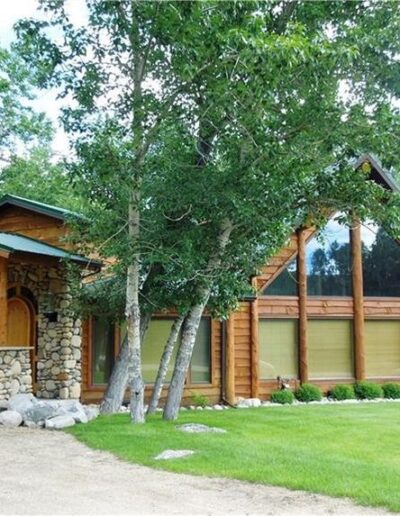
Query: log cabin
x: 326, y: 311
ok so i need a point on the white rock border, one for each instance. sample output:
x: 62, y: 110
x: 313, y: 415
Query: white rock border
x: 242, y: 404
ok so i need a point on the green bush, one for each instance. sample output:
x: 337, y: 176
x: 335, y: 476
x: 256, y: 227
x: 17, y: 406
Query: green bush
x: 308, y: 392
x: 368, y: 390
x: 199, y: 400
x: 391, y: 390
x: 284, y: 397
x: 343, y: 392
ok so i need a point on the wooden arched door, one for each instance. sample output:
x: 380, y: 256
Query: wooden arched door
x: 21, y: 327
x: 20, y: 323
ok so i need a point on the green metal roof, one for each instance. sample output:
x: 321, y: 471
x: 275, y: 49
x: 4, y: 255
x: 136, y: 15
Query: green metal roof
x: 13, y: 243
x: 38, y: 207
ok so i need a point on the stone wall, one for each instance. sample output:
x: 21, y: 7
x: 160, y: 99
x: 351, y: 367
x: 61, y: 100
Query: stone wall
x: 15, y: 372
x: 58, y: 367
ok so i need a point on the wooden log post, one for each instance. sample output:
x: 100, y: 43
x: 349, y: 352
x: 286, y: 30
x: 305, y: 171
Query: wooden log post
x: 3, y: 301
x: 358, y: 301
x: 254, y: 348
x: 302, y: 288
x: 230, y: 361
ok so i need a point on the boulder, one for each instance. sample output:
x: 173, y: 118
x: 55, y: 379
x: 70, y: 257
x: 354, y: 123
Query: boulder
x: 58, y: 422
x: 173, y: 454
x: 91, y: 411
x: 22, y: 402
x: 40, y: 412
x: 198, y: 428
x: 10, y: 418
x: 74, y: 409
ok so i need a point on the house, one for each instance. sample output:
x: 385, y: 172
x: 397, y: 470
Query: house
x: 327, y: 310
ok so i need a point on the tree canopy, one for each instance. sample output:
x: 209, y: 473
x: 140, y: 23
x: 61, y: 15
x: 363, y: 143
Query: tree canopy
x: 207, y: 131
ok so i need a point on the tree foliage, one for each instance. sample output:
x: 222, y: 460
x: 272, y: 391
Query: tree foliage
x: 194, y: 117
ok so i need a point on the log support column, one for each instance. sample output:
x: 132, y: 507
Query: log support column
x: 358, y: 301
x: 3, y: 300
x: 254, y: 349
x: 302, y: 287
x: 230, y: 360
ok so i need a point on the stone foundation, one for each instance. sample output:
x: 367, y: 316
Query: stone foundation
x: 58, y: 366
x: 15, y: 372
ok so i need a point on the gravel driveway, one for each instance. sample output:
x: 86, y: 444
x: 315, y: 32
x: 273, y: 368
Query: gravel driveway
x: 44, y: 472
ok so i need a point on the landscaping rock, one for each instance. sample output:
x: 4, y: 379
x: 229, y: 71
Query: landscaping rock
x: 22, y: 402
x: 10, y: 418
x: 91, y: 411
x: 218, y: 407
x: 58, y: 422
x: 39, y: 412
x: 173, y: 454
x: 198, y: 428
x: 248, y: 403
x: 3, y: 405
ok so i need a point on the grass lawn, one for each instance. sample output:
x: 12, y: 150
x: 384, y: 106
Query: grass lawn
x: 340, y: 450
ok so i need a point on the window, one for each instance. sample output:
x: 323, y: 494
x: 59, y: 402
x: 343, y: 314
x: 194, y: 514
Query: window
x: 103, y: 340
x: 154, y: 343
x: 153, y: 347
x: 278, y: 348
x: 381, y: 262
x: 285, y: 284
x: 328, y: 261
x: 382, y: 348
x: 330, y: 348
x: 201, y: 358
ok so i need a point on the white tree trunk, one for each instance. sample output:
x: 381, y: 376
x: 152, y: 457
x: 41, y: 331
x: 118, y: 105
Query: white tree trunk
x: 133, y: 313
x: 164, y: 364
x: 117, y: 384
x: 190, y: 328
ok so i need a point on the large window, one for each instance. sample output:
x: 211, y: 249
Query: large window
x: 103, y: 350
x: 103, y: 340
x: 285, y: 284
x: 330, y: 348
x: 382, y: 348
x: 381, y: 262
x: 278, y: 348
x: 328, y: 261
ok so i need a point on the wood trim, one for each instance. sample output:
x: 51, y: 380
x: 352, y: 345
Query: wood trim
x: 230, y: 360
x: 3, y: 301
x: 358, y: 300
x: 302, y: 279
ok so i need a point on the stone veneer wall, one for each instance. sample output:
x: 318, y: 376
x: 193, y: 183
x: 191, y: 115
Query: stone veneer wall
x: 15, y: 372
x: 58, y: 342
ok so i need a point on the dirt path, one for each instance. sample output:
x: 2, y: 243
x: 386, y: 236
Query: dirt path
x: 44, y: 472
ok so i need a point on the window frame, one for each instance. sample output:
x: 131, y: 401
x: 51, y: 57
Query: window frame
x: 117, y: 344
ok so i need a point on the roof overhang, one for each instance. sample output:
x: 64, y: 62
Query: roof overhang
x: 38, y: 207
x: 12, y: 244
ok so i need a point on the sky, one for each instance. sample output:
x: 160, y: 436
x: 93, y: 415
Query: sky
x: 10, y: 12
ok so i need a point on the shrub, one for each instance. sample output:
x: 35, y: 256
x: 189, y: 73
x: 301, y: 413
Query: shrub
x: 283, y: 396
x: 343, y: 392
x: 367, y: 390
x: 391, y: 390
x: 199, y: 400
x: 308, y: 392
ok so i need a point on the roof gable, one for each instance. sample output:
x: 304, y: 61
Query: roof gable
x: 277, y: 263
